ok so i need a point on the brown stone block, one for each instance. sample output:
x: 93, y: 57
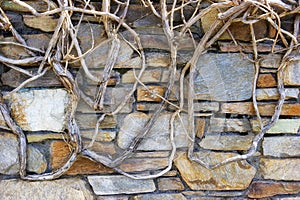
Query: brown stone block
x: 262, y: 189
x: 266, y: 81
x: 246, y: 108
x: 144, y: 95
x: 43, y: 23
x: 59, y: 155
x: 200, y: 127
x: 165, y: 184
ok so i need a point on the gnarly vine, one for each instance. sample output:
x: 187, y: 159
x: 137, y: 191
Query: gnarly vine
x: 55, y: 58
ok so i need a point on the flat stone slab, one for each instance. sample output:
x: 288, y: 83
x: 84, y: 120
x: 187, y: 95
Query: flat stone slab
x: 233, y: 176
x: 281, y: 146
x: 108, y: 185
x: 39, y: 110
x: 223, y: 77
x: 67, y: 189
x: 158, y: 137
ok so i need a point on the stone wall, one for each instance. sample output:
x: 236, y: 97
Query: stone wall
x: 225, y: 118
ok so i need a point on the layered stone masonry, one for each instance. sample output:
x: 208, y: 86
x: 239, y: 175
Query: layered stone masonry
x: 225, y: 123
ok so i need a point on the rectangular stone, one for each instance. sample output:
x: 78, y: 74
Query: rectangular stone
x: 144, y: 95
x: 149, y: 76
x: 283, y: 126
x: 200, y: 127
x: 31, y: 109
x: 213, y: 82
x: 147, y: 106
x: 281, y: 146
x: 280, y: 169
x: 266, y: 81
x: 108, y: 185
x: 292, y: 74
x: 246, y: 108
x: 60, y: 152
x: 88, y: 121
x: 226, y: 142
x: 102, y: 136
x: 271, y: 61
x: 272, y: 94
x: 43, y: 23
x: 218, y: 125
x: 206, y: 106
x: 144, y: 164
x: 39, y: 6
x: 171, y: 196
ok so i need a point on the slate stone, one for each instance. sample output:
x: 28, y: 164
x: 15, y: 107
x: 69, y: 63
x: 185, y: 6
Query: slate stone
x: 158, y: 137
x: 292, y: 74
x: 32, y: 108
x: 9, y: 156
x: 66, y: 189
x: 281, y: 146
x: 233, y: 176
x: 223, y: 77
x: 116, y: 184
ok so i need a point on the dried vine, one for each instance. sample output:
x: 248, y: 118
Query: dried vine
x: 56, y: 58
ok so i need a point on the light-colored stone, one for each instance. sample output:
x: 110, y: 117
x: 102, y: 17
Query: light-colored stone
x: 284, y: 126
x: 166, y: 184
x: 272, y: 94
x: 152, y: 95
x: 281, y: 146
x: 262, y: 189
x: 43, y: 23
x: 158, y: 137
x: 108, y: 185
x: 31, y: 109
x: 88, y: 121
x: 149, y: 76
x: 270, y: 61
x: 101, y: 136
x: 160, y: 196
x: 9, y: 156
x: 233, y: 176
x: 280, y: 169
x: 33, y: 137
x: 206, y: 106
x: 218, y: 125
x: 66, y: 189
x: 211, y: 67
x: 292, y: 74
x: 102, y: 51
x: 226, y: 142
x: 144, y: 164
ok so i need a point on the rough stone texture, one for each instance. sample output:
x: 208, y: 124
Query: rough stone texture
x: 144, y: 164
x: 29, y: 107
x: 43, y: 23
x: 146, y: 107
x: 272, y: 94
x: 9, y: 156
x: 292, y: 74
x: 166, y: 184
x: 271, y: 61
x: 112, y: 98
x: 66, y: 189
x: 239, y: 30
x: 88, y: 121
x: 102, y: 136
x: 284, y: 126
x: 206, y: 106
x: 211, y: 67
x: 200, y: 127
x: 160, y: 196
x: 40, y: 6
x: 149, y: 76
x: 151, y: 96
x: 108, y: 185
x: 266, y: 80
x: 265, y: 109
x: 60, y: 152
x: 226, y: 142
x: 234, y: 176
x: 284, y: 146
x: 280, y: 169
x: 218, y: 125
x: 158, y: 137
x: 246, y: 47
x: 262, y: 189
x: 40, y: 137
